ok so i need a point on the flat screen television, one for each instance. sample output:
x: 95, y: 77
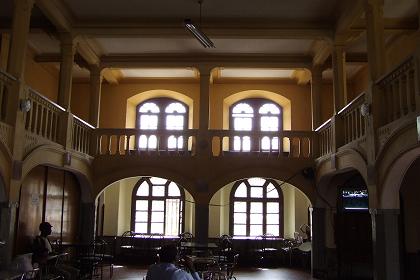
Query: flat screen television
x: 355, y: 199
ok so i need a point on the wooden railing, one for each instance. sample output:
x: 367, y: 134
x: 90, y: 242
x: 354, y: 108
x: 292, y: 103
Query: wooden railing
x: 43, y: 119
x: 6, y: 81
x: 294, y: 144
x: 82, y: 136
x: 325, y: 138
x: 353, y: 122
x: 134, y: 141
x: 399, y: 90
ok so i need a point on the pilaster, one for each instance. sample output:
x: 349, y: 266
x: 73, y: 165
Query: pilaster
x: 87, y: 214
x: 4, y: 51
x: 319, y: 267
x: 375, y: 38
x: 386, y: 237
x: 68, y: 49
x: 339, y: 77
x: 203, y: 141
x: 19, y: 39
x: 316, y: 91
x: 377, y: 67
x: 95, y: 95
x: 8, y: 217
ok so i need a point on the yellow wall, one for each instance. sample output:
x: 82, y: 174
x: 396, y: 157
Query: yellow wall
x: 42, y: 77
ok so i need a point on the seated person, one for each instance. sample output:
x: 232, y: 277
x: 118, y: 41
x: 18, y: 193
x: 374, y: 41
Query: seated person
x: 42, y: 252
x: 166, y: 269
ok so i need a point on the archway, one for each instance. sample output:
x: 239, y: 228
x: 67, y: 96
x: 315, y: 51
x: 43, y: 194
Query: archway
x: 410, y: 220
x: 348, y: 225
x: 294, y: 213
x: 52, y: 195
x: 115, y: 206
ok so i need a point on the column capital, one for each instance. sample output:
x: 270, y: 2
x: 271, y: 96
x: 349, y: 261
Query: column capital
x: 205, y: 70
x: 25, y: 5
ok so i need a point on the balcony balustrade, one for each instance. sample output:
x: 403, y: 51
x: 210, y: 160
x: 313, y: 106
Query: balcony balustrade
x: 399, y: 91
x: 43, y: 119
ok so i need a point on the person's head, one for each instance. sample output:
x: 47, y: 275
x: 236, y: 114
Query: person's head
x: 45, y: 228
x: 167, y: 253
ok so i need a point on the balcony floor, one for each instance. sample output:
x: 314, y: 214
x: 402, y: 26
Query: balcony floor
x: 131, y: 272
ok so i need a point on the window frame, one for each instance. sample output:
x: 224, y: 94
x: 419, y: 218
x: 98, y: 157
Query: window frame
x: 151, y: 198
x: 255, y: 104
x: 162, y: 103
x: 249, y: 199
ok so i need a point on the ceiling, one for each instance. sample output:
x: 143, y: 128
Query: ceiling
x: 118, y: 30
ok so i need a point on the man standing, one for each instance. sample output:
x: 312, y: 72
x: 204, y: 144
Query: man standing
x: 166, y: 269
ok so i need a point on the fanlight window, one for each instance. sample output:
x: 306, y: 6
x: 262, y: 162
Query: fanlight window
x: 257, y: 208
x: 157, y: 207
x: 161, y: 114
x: 244, y: 118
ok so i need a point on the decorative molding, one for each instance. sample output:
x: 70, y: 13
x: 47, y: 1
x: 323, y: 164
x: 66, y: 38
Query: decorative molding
x: 6, y: 135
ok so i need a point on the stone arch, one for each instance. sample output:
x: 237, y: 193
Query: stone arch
x: 183, y: 179
x: 277, y: 98
x: 306, y: 186
x: 220, y: 207
x: 390, y: 185
x: 134, y: 100
x: 53, y: 156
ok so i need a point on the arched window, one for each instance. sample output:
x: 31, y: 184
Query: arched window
x: 255, y: 115
x: 157, y: 207
x: 256, y: 208
x: 161, y: 114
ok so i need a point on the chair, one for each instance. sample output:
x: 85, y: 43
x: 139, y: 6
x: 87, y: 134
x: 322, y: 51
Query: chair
x: 266, y: 249
x: 184, y: 237
x: 108, y: 255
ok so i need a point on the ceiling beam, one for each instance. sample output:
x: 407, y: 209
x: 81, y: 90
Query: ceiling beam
x: 216, y: 31
x: 112, y: 76
x: 57, y: 13
x: 170, y: 61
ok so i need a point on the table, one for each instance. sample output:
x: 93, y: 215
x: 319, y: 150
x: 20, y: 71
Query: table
x: 198, y: 245
x: 10, y: 275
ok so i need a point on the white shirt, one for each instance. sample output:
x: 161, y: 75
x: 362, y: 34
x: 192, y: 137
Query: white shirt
x: 168, y: 271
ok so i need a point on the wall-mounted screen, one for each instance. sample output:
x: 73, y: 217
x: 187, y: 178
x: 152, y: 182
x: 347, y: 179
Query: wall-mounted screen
x: 355, y: 199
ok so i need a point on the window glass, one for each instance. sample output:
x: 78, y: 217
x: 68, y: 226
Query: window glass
x: 141, y: 216
x: 149, y: 107
x: 239, y: 230
x: 175, y: 107
x: 158, y: 190
x: 174, y: 122
x: 142, y: 205
x: 256, y: 181
x: 140, y: 228
x: 269, y: 124
x: 173, y: 190
x: 240, y: 207
x: 143, y: 190
x: 269, y: 108
x: 241, y: 191
x: 257, y: 192
x: 272, y: 191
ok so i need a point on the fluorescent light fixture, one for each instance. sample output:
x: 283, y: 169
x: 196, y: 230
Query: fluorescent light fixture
x: 198, y: 34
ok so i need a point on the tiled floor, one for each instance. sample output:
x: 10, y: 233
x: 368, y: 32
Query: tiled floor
x: 130, y: 272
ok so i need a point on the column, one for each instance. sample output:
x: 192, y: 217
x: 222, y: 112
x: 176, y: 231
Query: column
x: 95, y: 95
x: 68, y: 49
x: 319, y: 268
x: 87, y: 214
x: 7, y: 230
x: 201, y: 221
x: 375, y: 38
x: 19, y: 40
x: 377, y: 67
x: 4, y: 51
x: 339, y: 77
x: 386, y: 237
x: 316, y: 92
x: 204, y: 147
